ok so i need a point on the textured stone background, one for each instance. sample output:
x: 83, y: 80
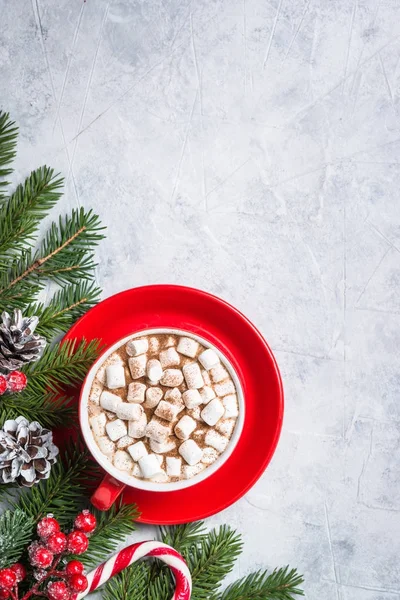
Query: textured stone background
x: 250, y: 148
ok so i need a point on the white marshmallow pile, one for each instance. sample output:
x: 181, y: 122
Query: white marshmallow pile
x: 163, y: 407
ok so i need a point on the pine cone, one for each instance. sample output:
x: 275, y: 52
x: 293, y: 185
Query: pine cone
x: 18, y: 344
x: 27, y: 452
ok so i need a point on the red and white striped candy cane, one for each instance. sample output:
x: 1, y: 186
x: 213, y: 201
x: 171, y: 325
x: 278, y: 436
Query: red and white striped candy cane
x: 131, y: 554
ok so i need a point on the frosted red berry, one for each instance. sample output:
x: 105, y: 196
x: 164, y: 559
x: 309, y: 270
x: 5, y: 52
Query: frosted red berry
x: 7, y: 579
x: 19, y: 570
x: 3, y: 385
x: 86, y: 521
x: 74, y: 567
x: 58, y: 590
x: 47, y: 526
x: 4, y: 594
x: 57, y: 542
x: 17, y: 381
x: 40, y: 556
x: 78, y: 583
x: 77, y: 542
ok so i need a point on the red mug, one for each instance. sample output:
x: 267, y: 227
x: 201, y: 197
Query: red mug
x: 115, y: 481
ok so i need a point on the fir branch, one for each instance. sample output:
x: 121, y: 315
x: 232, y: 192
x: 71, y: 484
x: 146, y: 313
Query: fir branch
x: 26, y: 207
x: 62, y: 493
x: 27, y: 289
x: 131, y: 583
x: 66, y: 257
x: 66, y: 306
x: 281, y: 584
x: 182, y: 537
x: 50, y: 409
x: 15, y: 533
x: 8, y: 143
x: 212, y: 559
x: 61, y: 365
x: 112, y: 526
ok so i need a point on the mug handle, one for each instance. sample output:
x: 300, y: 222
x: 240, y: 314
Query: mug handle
x: 107, y: 493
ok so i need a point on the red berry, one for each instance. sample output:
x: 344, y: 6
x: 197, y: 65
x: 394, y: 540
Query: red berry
x: 58, y: 590
x: 40, y: 556
x: 86, y: 521
x: 4, y: 594
x: 3, y: 384
x: 78, y: 583
x: 47, y: 526
x: 7, y: 579
x: 57, y: 542
x: 19, y: 570
x: 17, y: 381
x: 74, y: 567
x: 77, y: 542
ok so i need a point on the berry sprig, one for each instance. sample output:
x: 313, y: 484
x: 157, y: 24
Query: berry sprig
x: 14, y: 382
x: 57, y: 578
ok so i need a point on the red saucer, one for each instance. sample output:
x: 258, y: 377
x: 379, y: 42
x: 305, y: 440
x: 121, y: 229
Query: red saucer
x: 214, y: 319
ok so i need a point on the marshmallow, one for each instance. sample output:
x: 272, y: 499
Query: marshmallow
x: 154, y: 370
x: 161, y: 477
x: 153, y: 397
x: 162, y: 447
x: 116, y: 429
x: 124, y: 442
x: 226, y: 427
x: 154, y: 345
x: 137, y: 429
x: 173, y: 396
x: 193, y: 376
x: 173, y: 466
x: 101, y: 375
x: 172, y: 378
x: 110, y: 401
x: 216, y: 440
x: 223, y: 389
x: 95, y: 393
x: 194, y: 413
x: 207, y: 394
x: 137, y: 366
x: 213, y: 411
x: 158, y: 432
x: 218, y: 373
x: 187, y: 347
x: 192, y: 398
x: 136, y: 392
x: 136, y: 472
x: 149, y: 466
x: 98, y: 424
x: 170, y: 341
x: 114, y: 359
x: 210, y: 455
x: 136, y: 347
x: 206, y: 377
x: 189, y: 472
x: 115, y: 375
x: 129, y: 412
x: 166, y: 410
x: 185, y: 427
x: 122, y: 461
x: 209, y: 359
x: 231, y: 406
x: 137, y: 451
x: 106, y: 446
x: 190, y: 452
x: 169, y: 358
x: 160, y: 459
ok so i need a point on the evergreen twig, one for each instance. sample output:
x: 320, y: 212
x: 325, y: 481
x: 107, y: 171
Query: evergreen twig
x: 8, y: 143
x: 131, y: 583
x: 15, y: 535
x: 281, y: 584
x: 50, y: 409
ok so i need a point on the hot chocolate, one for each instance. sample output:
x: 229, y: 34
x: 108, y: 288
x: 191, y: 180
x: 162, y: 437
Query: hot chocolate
x: 163, y: 407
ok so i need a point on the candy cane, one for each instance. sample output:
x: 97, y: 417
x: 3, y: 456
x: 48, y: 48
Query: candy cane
x: 131, y: 554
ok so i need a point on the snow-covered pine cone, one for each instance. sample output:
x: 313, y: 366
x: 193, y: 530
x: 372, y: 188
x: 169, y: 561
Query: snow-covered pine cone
x: 27, y: 452
x: 18, y: 343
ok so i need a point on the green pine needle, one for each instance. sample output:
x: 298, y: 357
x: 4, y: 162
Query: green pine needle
x: 66, y: 306
x: 49, y: 409
x: 62, y: 493
x: 62, y: 365
x: 26, y: 207
x: 112, y: 526
x: 182, y: 537
x: 15, y: 535
x: 131, y: 583
x: 281, y: 584
x: 8, y: 143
